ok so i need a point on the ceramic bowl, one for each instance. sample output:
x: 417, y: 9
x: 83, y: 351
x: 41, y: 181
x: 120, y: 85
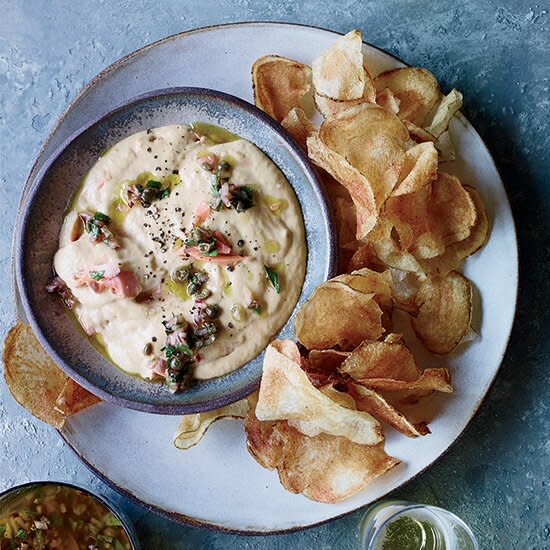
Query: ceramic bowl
x: 14, y: 492
x: 42, y: 214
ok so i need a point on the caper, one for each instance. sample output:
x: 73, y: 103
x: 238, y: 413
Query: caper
x: 180, y: 274
x: 211, y: 328
x: 148, y: 196
x: 176, y: 362
x: 210, y: 340
x: 203, y: 294
x: 192, y: 288
x: 223, y: 166
x: 206, y: 166
x: 240, y: 243
x: 207, y: 247
x: 211, y: 311
x: 148, y: 348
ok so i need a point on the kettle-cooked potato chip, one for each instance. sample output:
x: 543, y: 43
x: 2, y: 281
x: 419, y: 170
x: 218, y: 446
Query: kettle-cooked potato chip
x: 444, y: 314
x: 416, y: 88
x: 338, y: 315
x: 298, y: 126
x: 36, y: 382
x: 387, y: 99
x: 455, y: 253
x: 287, y: 394
x: 262, y: 442
x: 74, y: 398
x: 338, y: 72
x: 434, y: 379
x: 371, y: 139
x: 368, y: 400
x: 418, y: 168
x: 432, y: 218
x: 279, y: 83
x: 327, y: 359
x: 445, y: 111
x: 329, y: 106
x: 324, y: 468
x: 381, y: 360
x: 192, y: 427
x: 358, y: 186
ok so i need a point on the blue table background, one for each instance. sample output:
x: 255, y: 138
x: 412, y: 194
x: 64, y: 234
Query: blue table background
x: 497, y: 476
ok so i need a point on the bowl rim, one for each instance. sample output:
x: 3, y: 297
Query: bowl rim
x: 25, y: 211
x: 124, y: 519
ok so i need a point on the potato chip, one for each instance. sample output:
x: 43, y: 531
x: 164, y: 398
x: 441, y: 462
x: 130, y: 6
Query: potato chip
x: 444, y: 314
x: 279, y: 83
x: 298, y: 125
x: 391, y: 255
x: 365, y: 256
x: 368, y: 281
x: 327, y: 359
x: 287, y: 394
x: 338, y: 72
x: 36, y: 382
x: 329, y: 107
x: 436, y: 379
x: 337, y: 315
x: 416, y: 88
x: 455, y: 254
x: 327, y: 468
x: 444, y: 112
x: 388, y: 100
x: 341, y: 397
x: 418, y: 134
x: 445, y: 147
x: 321, y: 367
x: 404, y: 288
x: 432, y: 218
x: 74, y: 398
x: 381, y: 360
x: 368, y: 400
x: 418, y: 168
x: 358, y: 186
x: 262, y: 441
x: 346, y: 222
x: 372, y: 140
x: 192, y: 427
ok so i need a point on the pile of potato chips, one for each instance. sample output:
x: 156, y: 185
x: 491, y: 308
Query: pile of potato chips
x: 404, y: 228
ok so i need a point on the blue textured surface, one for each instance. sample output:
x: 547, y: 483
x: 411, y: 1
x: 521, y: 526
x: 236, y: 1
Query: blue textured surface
x: 497, y: 476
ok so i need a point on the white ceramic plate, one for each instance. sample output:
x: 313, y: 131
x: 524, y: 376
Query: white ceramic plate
x: 217, y: 483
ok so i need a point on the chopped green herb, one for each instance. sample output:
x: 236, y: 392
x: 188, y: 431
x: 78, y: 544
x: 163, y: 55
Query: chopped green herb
x: 184, y: 348
x: 101, y: 217
x: 97, y: 275
x: 213, y: 252
x: 2, y: 529
x: 152, y: 184
x: 21, y: 534
x: 273, y: 278
x: 242, y: 198
x: 169, y: 350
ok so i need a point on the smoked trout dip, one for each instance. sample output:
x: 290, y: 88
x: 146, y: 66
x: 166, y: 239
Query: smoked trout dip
x: 182, y: 253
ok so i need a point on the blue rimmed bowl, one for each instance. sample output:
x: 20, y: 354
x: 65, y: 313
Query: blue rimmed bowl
x: 42, y: 215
